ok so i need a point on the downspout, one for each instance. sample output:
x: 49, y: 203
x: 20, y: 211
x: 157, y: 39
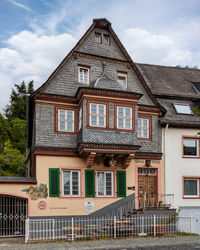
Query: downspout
x: 164, y: 151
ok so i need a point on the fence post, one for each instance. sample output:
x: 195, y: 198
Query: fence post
x: 154, y: 225
x: 145, y: 201
x: 115, y: 226
x: 27, y: 230
x: 72, y: 229
x: 53, y: 229
x: 191, y: 223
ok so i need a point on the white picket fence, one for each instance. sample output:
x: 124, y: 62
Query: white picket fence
x: 38, y: 230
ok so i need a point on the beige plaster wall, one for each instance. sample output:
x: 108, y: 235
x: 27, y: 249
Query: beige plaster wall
x: 69, y: 205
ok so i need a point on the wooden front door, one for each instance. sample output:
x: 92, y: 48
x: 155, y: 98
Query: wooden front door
x: 147, y: 191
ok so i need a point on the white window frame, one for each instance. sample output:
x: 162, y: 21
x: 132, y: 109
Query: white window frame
x: 142, y: 128
x: 177, y: 105
x: 190, y: 179
x: 65, y: 120
x: 97, y: 115
x: 80, y: 118
x: 197, y: 148
x: 79, y: 183
x: 124, y: 75
x: 125, y: 118
x: 112, y: 184
x: 79, y: 74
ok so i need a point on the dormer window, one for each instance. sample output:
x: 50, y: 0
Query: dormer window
x: 122, y: 79
x: 183, y: 109
x: 83, y: 74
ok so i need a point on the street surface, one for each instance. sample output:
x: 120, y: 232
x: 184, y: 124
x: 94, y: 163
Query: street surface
x: 149, y: 243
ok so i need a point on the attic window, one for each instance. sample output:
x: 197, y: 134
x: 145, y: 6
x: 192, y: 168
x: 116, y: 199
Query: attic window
x: 98, y: 38
x: 102, y: 38
x: 183, y: 109
x: 196, y: 85
x: 83, y: 74
x: 106, y: 39
x: 122, y: 79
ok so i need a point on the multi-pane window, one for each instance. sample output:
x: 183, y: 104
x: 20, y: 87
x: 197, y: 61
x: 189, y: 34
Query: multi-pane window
x: 80, y: 118
x: 106, y: 39
x: 190, y: 147
x: 191, y: 187
x: 71, y: 183
x: 143, y: 128
x: 183, y: 109
x: 97, y: 115
x: 124, y: 118
x: 102, y: 38
x: 122, y: 79
x: 105, y: 183
x: 65, y: 120
x: 98, y: 37
x: 83, y: 73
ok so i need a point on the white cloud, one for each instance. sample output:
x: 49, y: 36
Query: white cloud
x: 20, y: 5
x: 146, y: 47
x: 29, y: 56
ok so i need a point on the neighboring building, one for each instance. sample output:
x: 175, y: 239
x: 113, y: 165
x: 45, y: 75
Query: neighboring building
x: 177, y: 90
x: 93, y: 133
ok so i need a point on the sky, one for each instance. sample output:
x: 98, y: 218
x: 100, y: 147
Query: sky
x: 35, y: 35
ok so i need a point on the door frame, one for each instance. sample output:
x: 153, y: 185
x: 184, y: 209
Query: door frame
x: 156, y: 166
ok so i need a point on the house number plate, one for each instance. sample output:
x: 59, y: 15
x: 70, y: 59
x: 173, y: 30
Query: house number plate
x: 147, y: 171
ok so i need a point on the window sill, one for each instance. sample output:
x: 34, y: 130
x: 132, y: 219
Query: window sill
x: 66, y: 132
x: 190, y: 157
x: 144, y: 139
x: 97, y: 127
x: 71, y: 197
x: 191, y: 197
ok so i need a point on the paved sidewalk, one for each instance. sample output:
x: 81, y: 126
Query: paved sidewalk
x: 186, y: 242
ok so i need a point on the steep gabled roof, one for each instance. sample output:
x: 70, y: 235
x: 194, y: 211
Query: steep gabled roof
x: 171, y: 81
x: 173, y: 85
x: 102, y: 23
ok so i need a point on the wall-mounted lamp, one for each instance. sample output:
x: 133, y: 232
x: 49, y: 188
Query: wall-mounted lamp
x: 148, y: 162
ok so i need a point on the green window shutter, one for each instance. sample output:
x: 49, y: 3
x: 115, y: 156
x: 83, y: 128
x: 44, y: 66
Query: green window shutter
x: 121, y: 183
x: 54, y: 182
x: 89, y: 183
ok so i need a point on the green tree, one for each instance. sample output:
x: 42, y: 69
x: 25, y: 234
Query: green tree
x: 17, y: 129
x: 3, y: 131
x: 11, y: 161
x: 17, y: 106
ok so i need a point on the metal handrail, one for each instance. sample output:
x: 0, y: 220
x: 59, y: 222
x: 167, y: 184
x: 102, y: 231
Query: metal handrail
x: 155, y: 201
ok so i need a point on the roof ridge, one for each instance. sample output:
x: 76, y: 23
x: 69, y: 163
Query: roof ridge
x: 166, y: 66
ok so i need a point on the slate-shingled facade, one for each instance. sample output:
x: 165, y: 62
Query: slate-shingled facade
x: 88, y: 149
x: 93, y: 132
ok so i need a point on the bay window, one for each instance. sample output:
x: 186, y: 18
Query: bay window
x: 97, y: 116
x: 124, y: 118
